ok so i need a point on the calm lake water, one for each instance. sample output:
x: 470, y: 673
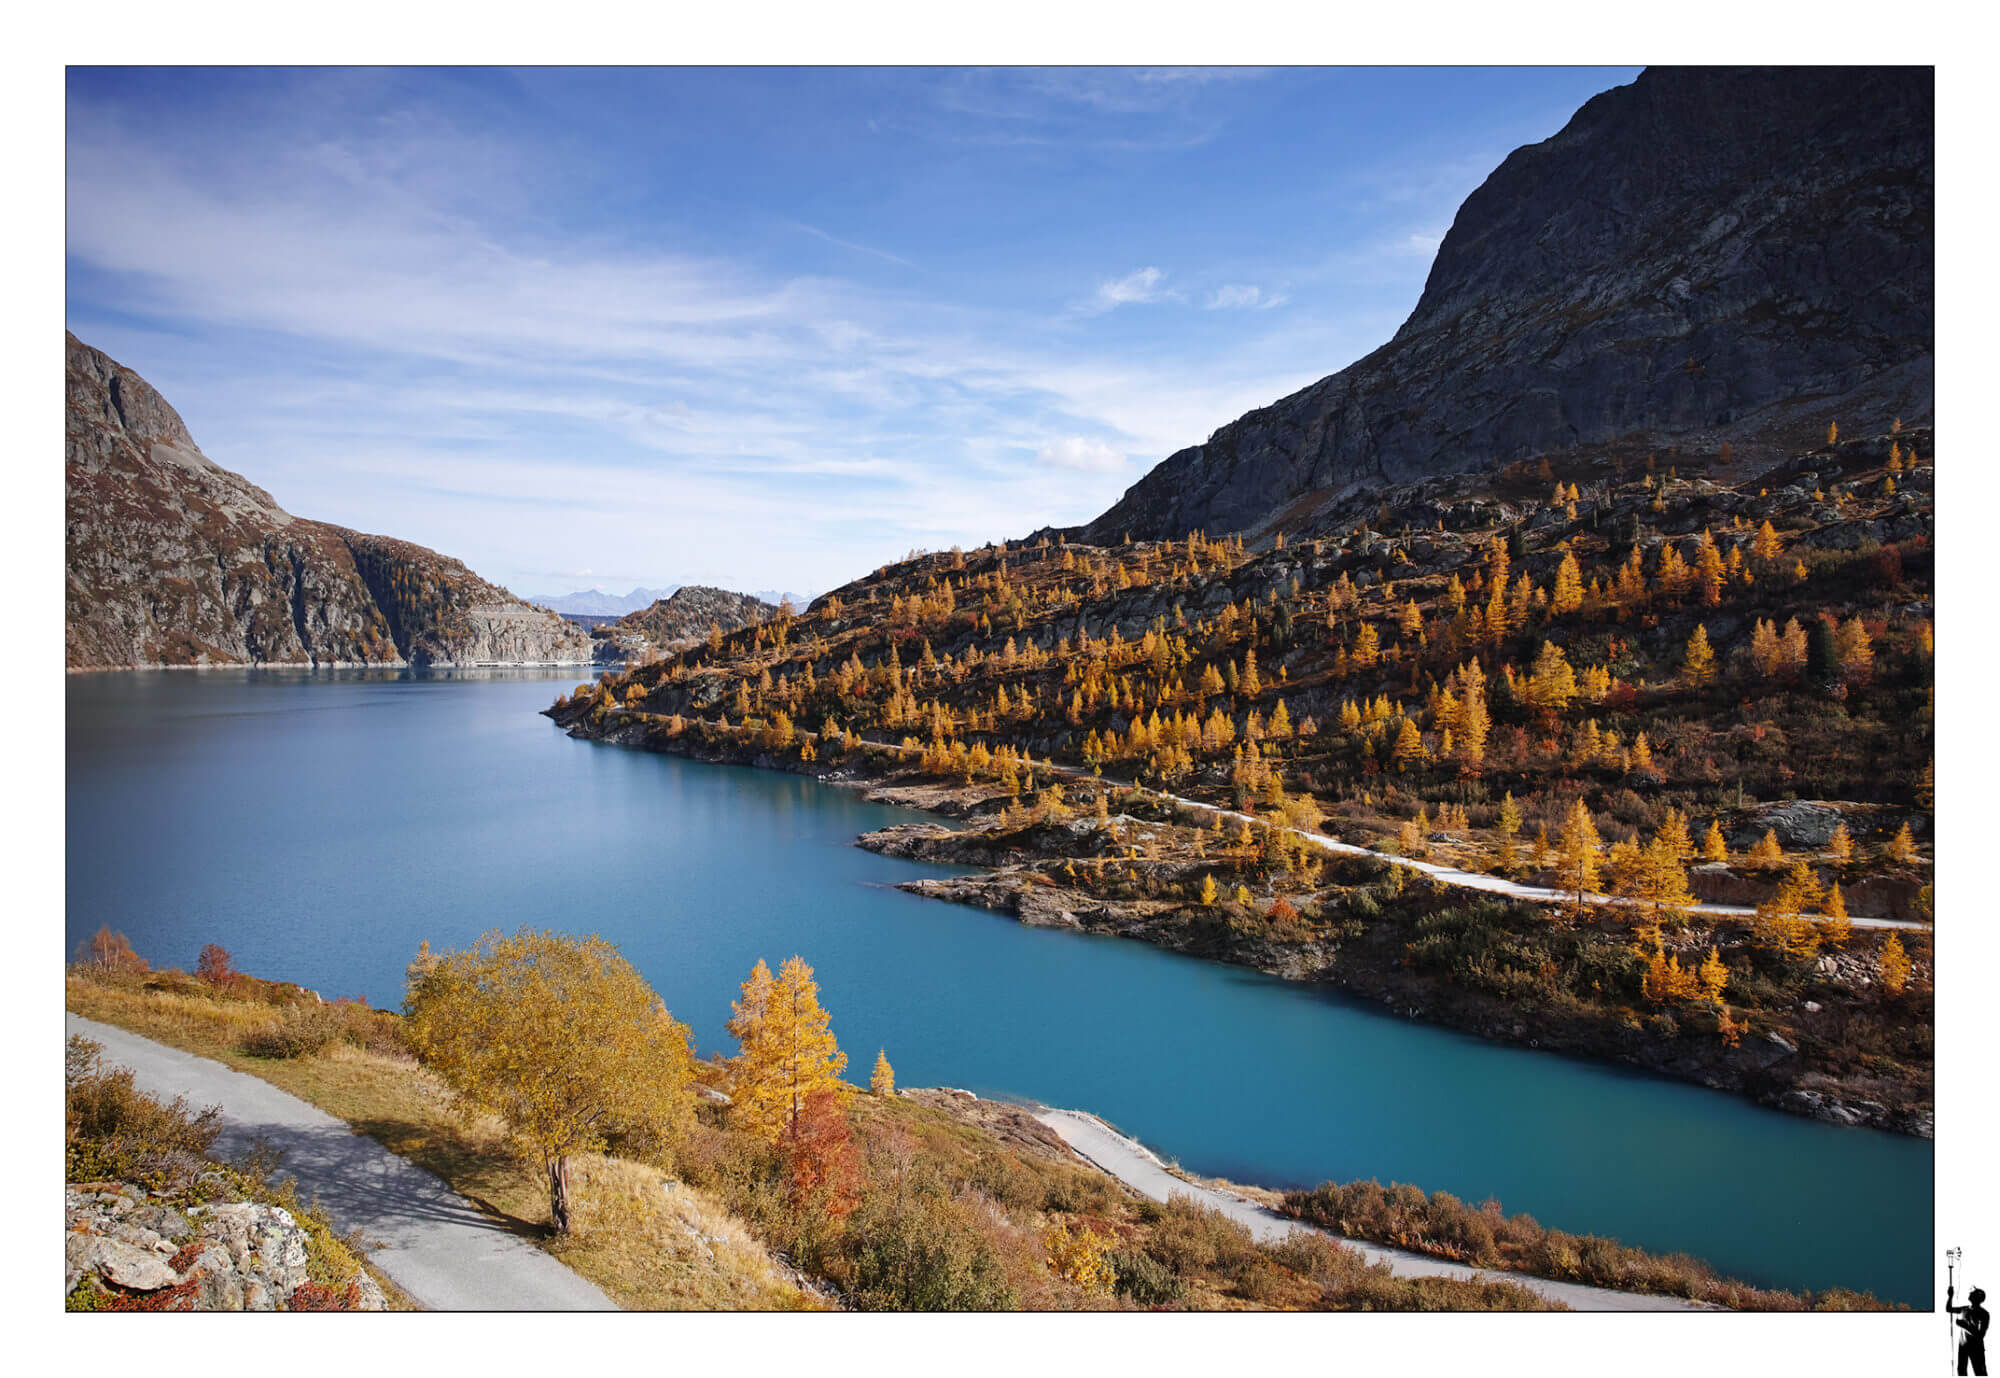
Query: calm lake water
x: 320, y: 825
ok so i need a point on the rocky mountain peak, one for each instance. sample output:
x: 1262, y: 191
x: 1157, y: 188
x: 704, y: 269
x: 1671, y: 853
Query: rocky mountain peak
x: 1702, y: 255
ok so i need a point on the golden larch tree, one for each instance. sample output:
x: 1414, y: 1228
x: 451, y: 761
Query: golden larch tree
x: 883, y: 1080
x: 1902, y: 847
x: 1567, y: 595
x: 1895, y: 965
x: 1713, y: 845
x: 1714, y: 976
x: 1851, y: 647
x: 1580, y: 854
x: 1698, y: 664
x: 1552, y: 684
x: 788, y: 1049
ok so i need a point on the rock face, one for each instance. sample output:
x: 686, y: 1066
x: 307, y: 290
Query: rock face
x: 1705, y: 254
x: 174, y: 560
x: 232, y: 1256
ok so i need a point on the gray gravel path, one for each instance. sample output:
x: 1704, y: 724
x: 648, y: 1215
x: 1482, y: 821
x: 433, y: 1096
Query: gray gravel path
x: 426, y: 1237
x: 1138, y: 1167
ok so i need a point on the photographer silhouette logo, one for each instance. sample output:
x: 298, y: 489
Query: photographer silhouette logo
x: 1968, y: 1322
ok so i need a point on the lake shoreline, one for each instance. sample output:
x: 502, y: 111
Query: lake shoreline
x: 341, y: 665
x: 1766, y: 1071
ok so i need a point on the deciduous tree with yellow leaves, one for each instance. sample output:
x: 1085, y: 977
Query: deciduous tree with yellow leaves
x: 559, y: 1037
x: 1579, y: 858
x: 787, y: 1049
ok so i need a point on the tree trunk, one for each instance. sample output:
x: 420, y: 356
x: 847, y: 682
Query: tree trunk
x: 559, y: 1194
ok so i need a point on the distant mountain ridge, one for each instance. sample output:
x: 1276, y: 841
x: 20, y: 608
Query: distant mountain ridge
x: 172, y: 560
x: 799, y: 601
x: 1705, y: 254
x: 693, y: 609
x: 597, y: 603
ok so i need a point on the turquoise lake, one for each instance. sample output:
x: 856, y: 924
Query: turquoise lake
x: 320, y: 825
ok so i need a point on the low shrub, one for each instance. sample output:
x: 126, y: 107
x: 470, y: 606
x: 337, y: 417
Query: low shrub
x: 1196, y: 1240
x: 300, y: 1031
x: 1144, y: 1279
x: 1441, y: 1225
x: 923, y: 1251
x: 113, y: 1130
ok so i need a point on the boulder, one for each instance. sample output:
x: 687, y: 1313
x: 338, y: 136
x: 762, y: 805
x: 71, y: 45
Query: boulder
x: 129, y: 1265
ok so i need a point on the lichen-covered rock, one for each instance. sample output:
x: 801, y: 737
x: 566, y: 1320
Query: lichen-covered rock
x: 1704, y: 254
x: 230, y: 1256
x: 174, y: 560
x: 115, y: 1260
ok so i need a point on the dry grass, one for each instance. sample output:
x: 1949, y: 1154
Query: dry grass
x: 410, y: 1112
x: 662, y: 1245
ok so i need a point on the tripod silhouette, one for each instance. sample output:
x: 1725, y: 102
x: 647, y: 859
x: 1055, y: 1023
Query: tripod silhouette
x: 1972, y: 1322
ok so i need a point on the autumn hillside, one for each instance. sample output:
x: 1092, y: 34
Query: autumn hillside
x: 1651, y: 674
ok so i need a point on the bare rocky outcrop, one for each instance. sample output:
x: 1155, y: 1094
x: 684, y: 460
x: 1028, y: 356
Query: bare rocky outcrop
x: 174, y: 560
x: 224, y: 1256
x: 672, y: 623
x: 1705, y: 254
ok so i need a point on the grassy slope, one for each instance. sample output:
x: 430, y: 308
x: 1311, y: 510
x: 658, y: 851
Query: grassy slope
x: 653, y: 1241
x: 646, y: 1249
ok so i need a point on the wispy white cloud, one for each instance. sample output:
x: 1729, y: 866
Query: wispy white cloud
x: 533, y: 403
x: 818, y: 233
x: 1137, y: 287
x: 1244, y: 297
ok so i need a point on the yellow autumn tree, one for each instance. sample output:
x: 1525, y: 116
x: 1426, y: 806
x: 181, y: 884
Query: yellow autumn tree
x: 1838, y: 930
x: 1208, y: 889
x: 1713, y: 975
x: 882, y: 1081
x: 1781, y: 925
x: 1473, y: 722
x: 1567, y: 595
x: 1367, y: 647
x: 559, y: 1037
x: 1895, y: 964
x: 1579, y: 857
x: 1409, y: 745
x: 1698, y: 664
x: 787, y: 1049
x: 1552, y: 684
x: 1902, y: 847
x: 1658, y: 879
x: 1714, y: 847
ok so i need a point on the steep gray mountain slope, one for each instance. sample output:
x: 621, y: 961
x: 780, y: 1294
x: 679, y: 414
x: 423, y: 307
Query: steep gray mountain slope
x: 1704, y: 255
x: 174, y: 560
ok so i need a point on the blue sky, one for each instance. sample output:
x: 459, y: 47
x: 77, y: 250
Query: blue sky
x: 765, y: 328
